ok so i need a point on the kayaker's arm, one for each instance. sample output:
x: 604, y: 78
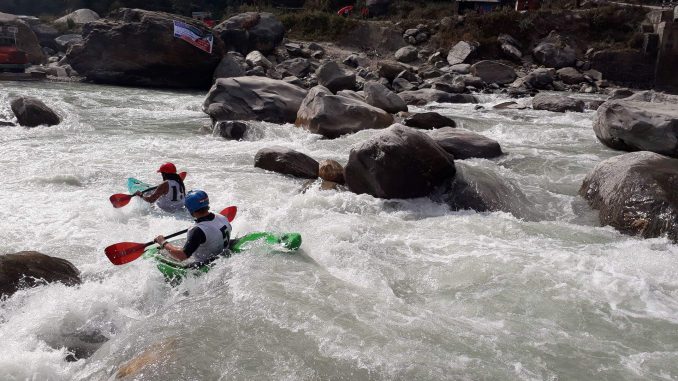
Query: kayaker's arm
x: 174, y: 251
x: 159, y: 191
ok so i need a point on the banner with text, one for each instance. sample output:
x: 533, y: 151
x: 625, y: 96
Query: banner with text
x: 193, y: 36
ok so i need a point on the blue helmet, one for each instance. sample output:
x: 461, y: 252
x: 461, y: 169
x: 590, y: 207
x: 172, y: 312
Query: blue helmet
x: 195, y: 200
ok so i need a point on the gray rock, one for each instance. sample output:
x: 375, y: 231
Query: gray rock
x: 463, y: 144
x: 460, y: 69
x: 333, y: 115
x: 541, y: 78
x: 381, y: 97
x: 351, y: 94
x: 30, y: 269
x: 424, y: 96
x: 555, y: 56
x: 399, y: 162
x: 556, y: 103
x: 401, y: 84
x: 67, y: 40
x: 255, y: 58
x: 636, y: 194
x: 508, y: 39
x: 253, y: 98
x: 620, y: 94
x: 390, y: 69
x: 428, y: 121
x: 493, y: 72
x: 231, y: 65
x: 286, y: 161
x: 633, y: 125
x: 461, y: 52
x: 511, y: 52
x: 571, y: 76
x: 335, y: 77
x: 79, y: 17
x: 298, y: 67
x: 250, y: 31
x: 32, y: 112
x: 406, y: 54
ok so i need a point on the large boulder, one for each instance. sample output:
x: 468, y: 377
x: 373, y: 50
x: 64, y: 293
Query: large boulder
x: 137, y: 48
x: 636, y: 193
x: 493, y: 72
x: 334, y: 115
x: 625, y: 65
x: 255, y: 58
x: 461, y: 52
x: 65, y: 41
x: 571, y: 76
x: 463, y: 144
x: 552, y: 54
x: 232, y: 64
x: 557, y: 103
x: 390, y: 69
x: 634, y: 125
x: 541, y: 78
x: 400, y: 162
x: 32, y: 112
x: 286, y: 161
x: 380, y: 96
x: 26, y: 39
x: 79, y: 17
x: 30, y: 268
x: 406, y: 54
x: 424, y: 96
x: 334, y: 77
x: 250, y: 31
x: 253, y: 98
x: 428, y: 121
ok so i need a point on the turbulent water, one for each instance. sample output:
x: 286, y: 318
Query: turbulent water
x: 381, y: 290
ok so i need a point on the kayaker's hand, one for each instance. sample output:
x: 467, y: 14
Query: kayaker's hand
x: 160, y: 240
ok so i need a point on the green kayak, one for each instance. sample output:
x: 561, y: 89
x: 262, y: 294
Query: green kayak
x: 173, y: 270
x: 134, y: 185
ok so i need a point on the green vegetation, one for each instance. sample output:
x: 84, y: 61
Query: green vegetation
x: 316, y: 25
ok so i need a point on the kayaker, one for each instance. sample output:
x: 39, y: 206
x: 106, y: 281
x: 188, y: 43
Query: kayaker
x: 168, y: 196
x: 206, y: 239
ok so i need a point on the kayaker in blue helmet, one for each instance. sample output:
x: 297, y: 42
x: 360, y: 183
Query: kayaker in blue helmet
x: 207, y: 238
x: 169, y: 196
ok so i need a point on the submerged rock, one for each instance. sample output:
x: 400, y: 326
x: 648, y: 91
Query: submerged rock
x: 636, y: 194
x: 332, y: 171
x: 253, y: 98
x: 32, y: 112
x: 230, y: 130
x: 30, y: 268
x: 428, y: 121
x: 399, y: 162
x: 286, y: 161
x: 334, y: 115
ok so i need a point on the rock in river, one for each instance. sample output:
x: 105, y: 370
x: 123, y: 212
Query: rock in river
x: 32, y: 112
x: 286, y: 161
x: 30, y: 268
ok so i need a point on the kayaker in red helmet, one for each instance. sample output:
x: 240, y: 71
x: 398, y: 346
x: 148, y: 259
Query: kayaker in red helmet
x: 169, y: 196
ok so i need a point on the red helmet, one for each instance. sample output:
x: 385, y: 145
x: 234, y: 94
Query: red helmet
x: 167, y: 168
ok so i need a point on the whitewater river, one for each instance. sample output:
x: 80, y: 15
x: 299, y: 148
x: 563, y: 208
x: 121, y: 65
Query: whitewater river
x: 381, y: 290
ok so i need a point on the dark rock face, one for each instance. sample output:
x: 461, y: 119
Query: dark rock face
x: 250, y: 31
x: 554, y: 55
x: 31, y: 112
x: 46, y: 35
x: 137, y: 48
x: 400, y: 162
x: 493, y: 72
x: 253, y: 98
x: 230, y: 130
x: 381, y: 97
x: 627, y: 66
x: 636, y: 194
x: 464, y: 144
x: 331, y: 170
x: 335, y: 77
x: 286, y: 161
x: 557, y: 103
x: 424, y: 96
x: 30, y: 268
x: 334, y: 115
x: 231, y: 65
x: 429, y: 121
x: 631, y: 125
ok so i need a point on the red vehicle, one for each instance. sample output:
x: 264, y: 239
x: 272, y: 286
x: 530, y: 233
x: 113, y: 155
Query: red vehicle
x: 12, y: 59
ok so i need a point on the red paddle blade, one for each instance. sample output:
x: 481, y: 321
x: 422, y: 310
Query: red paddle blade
x: 120, y: 199
x: 124, y: 252
x: 182, y: 175
x: 229, y: 213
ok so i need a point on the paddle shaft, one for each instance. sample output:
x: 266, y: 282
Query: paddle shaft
x: 147, y: 244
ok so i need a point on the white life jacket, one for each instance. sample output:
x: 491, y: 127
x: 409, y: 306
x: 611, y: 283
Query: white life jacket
x: 173, y: 200
x: 217, y: 233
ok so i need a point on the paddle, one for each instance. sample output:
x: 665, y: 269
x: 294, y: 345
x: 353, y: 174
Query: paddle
x: 125, y: 252
x: 121, y: 199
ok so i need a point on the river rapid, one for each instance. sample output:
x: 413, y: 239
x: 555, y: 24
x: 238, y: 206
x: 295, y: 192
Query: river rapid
x: 380, y: 290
